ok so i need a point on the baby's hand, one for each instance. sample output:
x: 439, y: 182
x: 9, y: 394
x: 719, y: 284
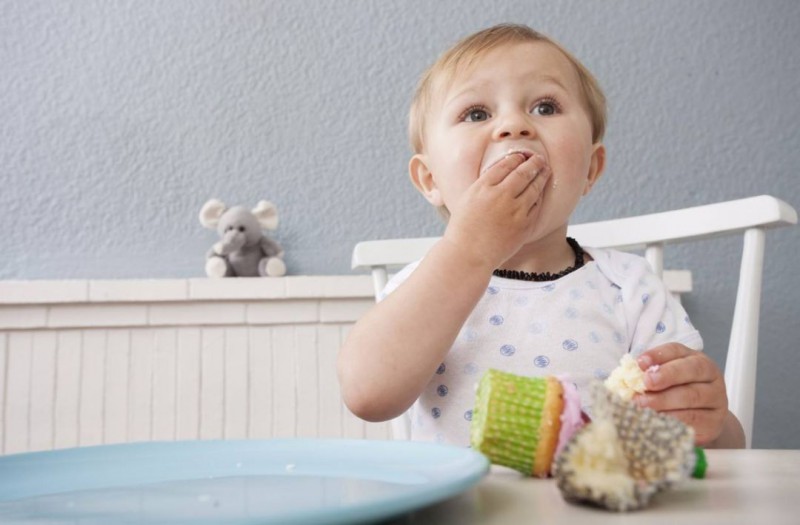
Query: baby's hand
x: 686, y: 384
x: 498, y: 211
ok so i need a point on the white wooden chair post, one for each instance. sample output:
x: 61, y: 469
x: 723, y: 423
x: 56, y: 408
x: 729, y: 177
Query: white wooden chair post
x: 380, y: 276
x: 740, y: 366
x: 651, y: 233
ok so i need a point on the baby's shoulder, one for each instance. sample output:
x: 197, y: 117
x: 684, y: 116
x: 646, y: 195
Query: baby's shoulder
x: 623, y: 269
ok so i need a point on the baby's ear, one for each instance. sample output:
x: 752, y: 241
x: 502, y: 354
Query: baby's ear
x: 423, y: 180
x: 596, y: 166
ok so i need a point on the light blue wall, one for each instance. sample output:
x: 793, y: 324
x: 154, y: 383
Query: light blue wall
x: 119, y: 119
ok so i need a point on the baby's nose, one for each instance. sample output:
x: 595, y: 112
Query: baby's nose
x: 511, y: 133
x: 514, y: 126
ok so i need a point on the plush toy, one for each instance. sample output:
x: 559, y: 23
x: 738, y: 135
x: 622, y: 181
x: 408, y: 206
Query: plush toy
x: 243, y: 251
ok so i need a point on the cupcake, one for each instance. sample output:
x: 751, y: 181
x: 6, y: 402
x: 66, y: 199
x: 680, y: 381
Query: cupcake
x: 523, y: 422
x: 626, y: 455
x: 619, y: 460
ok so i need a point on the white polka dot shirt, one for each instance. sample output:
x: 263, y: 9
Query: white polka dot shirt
x: 577, y: 327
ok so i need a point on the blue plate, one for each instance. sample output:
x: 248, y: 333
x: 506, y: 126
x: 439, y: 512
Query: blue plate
x: 290, y: 481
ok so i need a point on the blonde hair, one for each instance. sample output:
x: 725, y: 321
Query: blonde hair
x: 473, y: 47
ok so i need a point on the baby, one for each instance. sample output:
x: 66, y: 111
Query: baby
x: 507, y: 130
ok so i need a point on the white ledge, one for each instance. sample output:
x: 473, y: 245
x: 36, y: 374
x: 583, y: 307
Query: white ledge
x: 180, y: 290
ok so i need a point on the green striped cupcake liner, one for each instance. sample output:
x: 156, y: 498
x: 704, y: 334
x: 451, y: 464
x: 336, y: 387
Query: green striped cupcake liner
x: 506, y: 418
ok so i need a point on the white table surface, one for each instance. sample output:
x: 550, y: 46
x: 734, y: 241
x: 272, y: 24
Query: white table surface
x: 741, y: 486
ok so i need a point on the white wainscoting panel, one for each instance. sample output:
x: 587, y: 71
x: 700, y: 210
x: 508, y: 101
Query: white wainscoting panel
x: 90, y: 362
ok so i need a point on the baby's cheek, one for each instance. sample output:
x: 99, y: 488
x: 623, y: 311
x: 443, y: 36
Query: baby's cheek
x: 466, y: 159
x: 578, y: 156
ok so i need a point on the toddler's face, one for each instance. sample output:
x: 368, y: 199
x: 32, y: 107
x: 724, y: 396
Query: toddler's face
x: 520, y: 97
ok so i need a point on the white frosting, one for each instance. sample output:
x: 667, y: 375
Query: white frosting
x: 627, y: 379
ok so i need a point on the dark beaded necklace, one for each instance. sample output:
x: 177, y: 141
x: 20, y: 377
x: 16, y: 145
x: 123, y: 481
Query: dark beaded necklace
x: 545, y: 276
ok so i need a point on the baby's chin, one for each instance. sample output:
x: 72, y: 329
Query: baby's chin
x: 493, y: 158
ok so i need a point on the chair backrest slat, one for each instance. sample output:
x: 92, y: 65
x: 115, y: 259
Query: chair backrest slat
x: 711, y: 220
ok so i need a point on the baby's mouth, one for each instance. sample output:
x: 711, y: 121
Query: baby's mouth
x: 494, y: 159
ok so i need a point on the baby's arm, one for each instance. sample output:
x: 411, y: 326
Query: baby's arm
x: 689, y: 385
x: 392, y: 352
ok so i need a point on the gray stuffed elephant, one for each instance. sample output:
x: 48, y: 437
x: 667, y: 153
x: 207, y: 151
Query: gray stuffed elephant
x: 243, y: 250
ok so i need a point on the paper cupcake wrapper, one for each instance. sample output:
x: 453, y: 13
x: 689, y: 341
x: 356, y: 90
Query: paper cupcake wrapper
x: 507, y: 420
x: 659, y: 451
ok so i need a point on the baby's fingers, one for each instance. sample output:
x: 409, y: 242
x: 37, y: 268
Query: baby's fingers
x: 707, y: 423
x: 499, y: 171
x: 664, y: 354
x: 693, y: 396
x: 533, y: 193
x: 691, y: 367
x: 528, y: 177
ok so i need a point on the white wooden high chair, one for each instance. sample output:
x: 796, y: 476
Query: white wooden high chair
x: 749, y: 217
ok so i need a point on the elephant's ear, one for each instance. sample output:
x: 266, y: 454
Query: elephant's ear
x: 267, y: 215
x: 211, y: 212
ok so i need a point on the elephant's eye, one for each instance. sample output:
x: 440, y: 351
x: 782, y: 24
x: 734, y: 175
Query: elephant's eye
x: 241, y: 228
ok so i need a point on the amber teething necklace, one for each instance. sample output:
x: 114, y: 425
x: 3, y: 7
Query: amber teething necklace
x: 545, y: 276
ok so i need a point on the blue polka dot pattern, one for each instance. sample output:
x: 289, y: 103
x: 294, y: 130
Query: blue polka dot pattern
x: 541, y: 361
x: 601, y: 374
x: 660, y: 328
x: 496, y: 320
x: 468, y: 415
x: 575, y: 294
x: 569, y: 345
x: 471, y: 369
x: 507, y: 350
x: 470, y: 335
x: 493, y: 290
x: 593, y: 337
x: 645, y: 298
x: 618, y: 338
x: 441, y: 369
x: 536, y: 328
x: 549, y: 287
x: 522, y: 300
x: 436, y: 412
x: 571, y: 313
x: 442, y: 390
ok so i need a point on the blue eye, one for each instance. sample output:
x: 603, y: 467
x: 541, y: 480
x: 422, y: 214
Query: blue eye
x: 545, y: 109
x: 476, y: 115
